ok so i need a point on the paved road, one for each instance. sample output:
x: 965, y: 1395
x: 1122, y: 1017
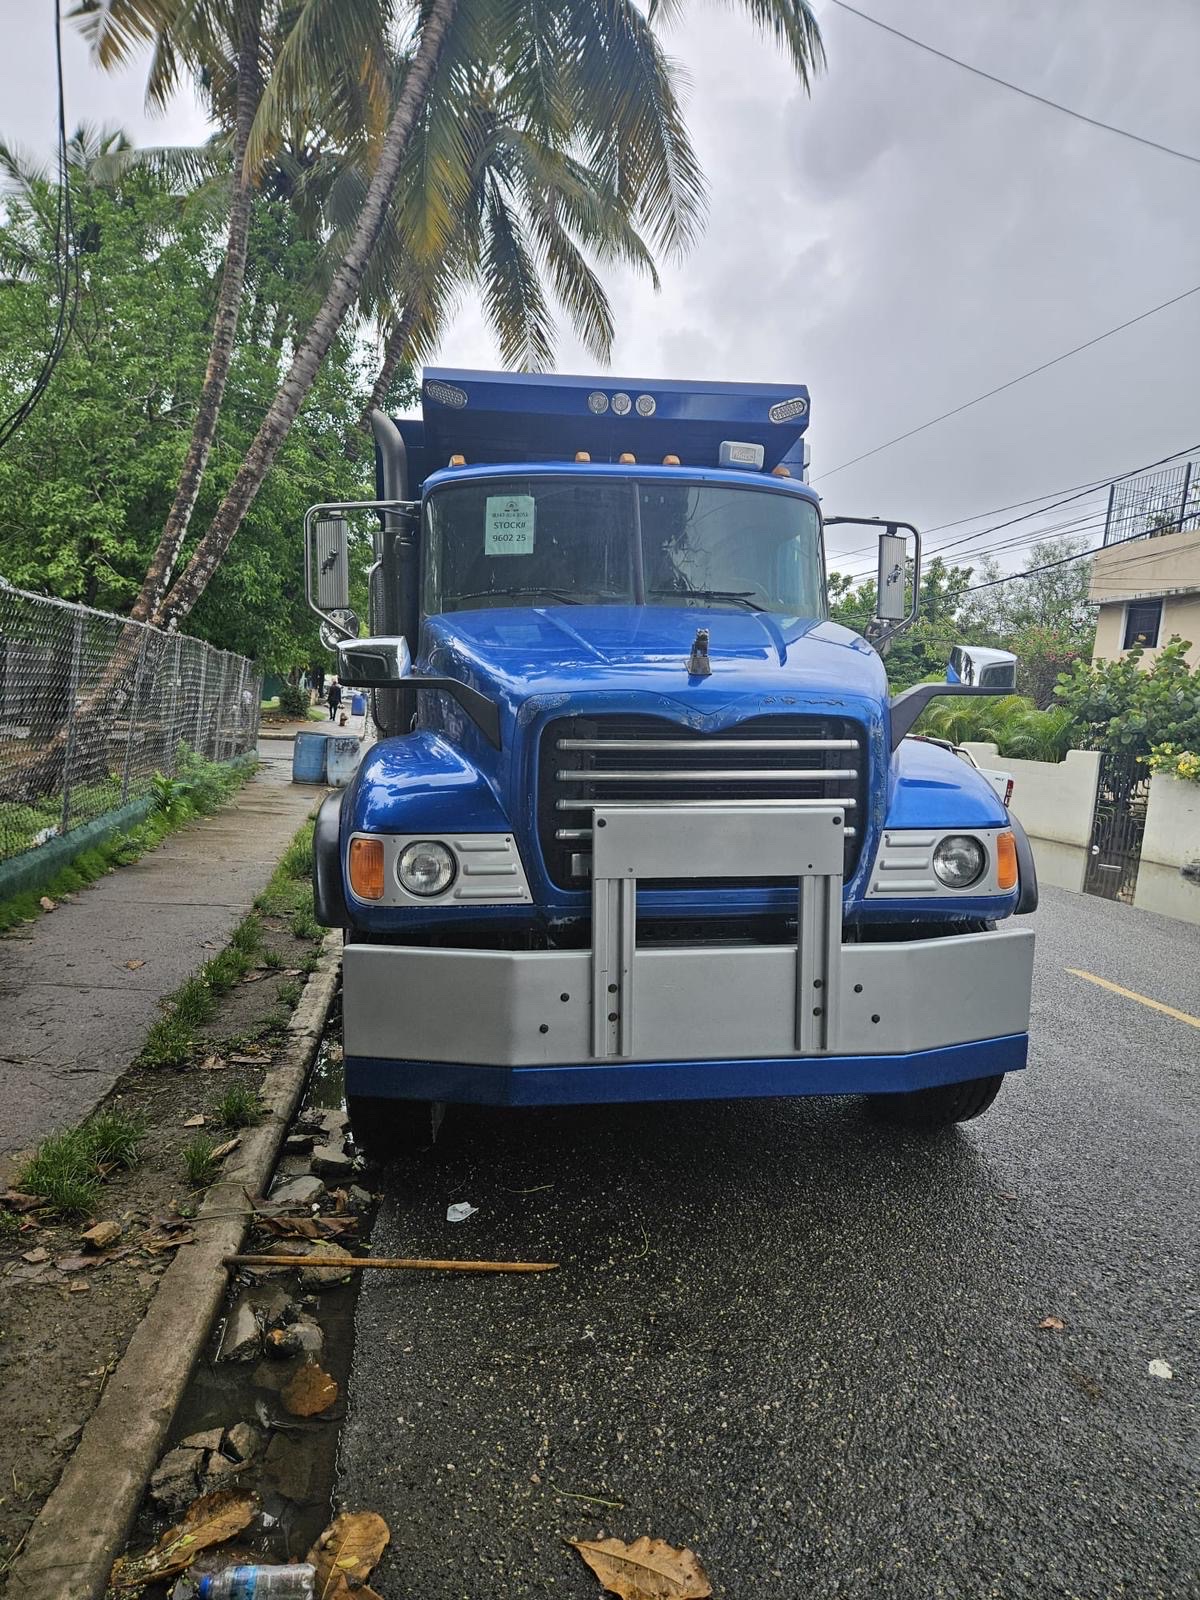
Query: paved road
x: 74, y: 1014
x: 807, y: 1346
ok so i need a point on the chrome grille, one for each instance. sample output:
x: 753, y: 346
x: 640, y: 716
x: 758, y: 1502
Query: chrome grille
x: 637, y: 761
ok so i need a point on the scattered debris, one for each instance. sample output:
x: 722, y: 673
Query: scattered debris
x: 330, y: 1161
x: 135, y: 966
x: 1159, y: 1368
x: 226, y: 1149
x: 210, y: 1520
x: 76, y: 1263
x: 309, y: 1391
x: 79, y: 1288
x: 16, y: 1201
x: 195, y: 1122
x: 298, y: 1144
x: 647, y: 1569
x: 242, y: 1338
x: 102, y: 1235
x: 1055, y: 1324
x: 244, y: 1441
x: 460, y: 1211
x: 212, y: 1064
x: 173, y: 1482
x: 330, y: 1265
x: 47, y: 904
x: 36, y: 1257
x: 298, y: 1192
x: 348, y: 1552
x: 304, y: 1337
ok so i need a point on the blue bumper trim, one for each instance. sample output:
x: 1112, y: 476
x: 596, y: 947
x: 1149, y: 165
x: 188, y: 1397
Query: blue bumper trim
x: 623, y: 1081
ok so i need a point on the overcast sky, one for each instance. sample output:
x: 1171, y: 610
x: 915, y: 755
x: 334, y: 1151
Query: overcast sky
x: 901, y: 241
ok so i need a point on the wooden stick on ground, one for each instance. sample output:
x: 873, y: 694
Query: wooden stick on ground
x: 359, y: 1262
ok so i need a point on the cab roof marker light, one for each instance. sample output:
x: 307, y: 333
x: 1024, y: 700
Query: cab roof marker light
x: 627, y: 460
x: 446, y: 394
x: 583, y: 455
x: 780, y: 472
x: 458, y: 461
x: 737, y: 453
x: 670, y: 461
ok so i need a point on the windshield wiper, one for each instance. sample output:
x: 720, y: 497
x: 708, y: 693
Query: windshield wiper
x: 514, y: 594
x: 742, y: 596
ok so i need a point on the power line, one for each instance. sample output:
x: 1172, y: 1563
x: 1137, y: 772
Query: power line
x: 1029, y: 94
x: 1066, y: 498
x: 1012, y: 382
x: 66, y: 260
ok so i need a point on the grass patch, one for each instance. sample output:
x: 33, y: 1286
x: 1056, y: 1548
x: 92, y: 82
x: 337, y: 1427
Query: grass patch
x: 198, y: 1162
x: 306, y: 926
x: 288, y: 994
x: 272, y: 959
x: 67, y: 1168
x: 198, y: 788
x: 10, y: 1227
x: 168, y: 1044
x: 238, y: 1107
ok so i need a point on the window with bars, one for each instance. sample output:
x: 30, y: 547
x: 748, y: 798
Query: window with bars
x: 1143, y: 619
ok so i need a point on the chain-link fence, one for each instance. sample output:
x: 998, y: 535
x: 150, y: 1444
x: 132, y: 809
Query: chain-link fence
x: 92, y: 706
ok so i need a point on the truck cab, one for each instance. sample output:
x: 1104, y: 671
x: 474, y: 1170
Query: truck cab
x: 642, y: 822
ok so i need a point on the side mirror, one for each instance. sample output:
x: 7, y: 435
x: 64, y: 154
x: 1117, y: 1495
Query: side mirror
x: 331, y: 551
x: 890, y: 603
x: 380, y: 663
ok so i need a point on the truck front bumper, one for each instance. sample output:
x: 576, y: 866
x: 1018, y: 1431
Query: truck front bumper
x: 618, y: 1022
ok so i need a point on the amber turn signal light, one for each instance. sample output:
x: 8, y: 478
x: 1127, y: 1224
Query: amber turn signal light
x: 1006, y: 861
x: 366, y: 868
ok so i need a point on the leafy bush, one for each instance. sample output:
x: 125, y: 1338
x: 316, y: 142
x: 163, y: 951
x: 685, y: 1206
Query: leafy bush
x: 293, y: 700
x: 1119, y: 708
x: 1011, y: 722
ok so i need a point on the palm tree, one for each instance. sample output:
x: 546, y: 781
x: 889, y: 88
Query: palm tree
x: 594, y: 75
x: 235, y: 49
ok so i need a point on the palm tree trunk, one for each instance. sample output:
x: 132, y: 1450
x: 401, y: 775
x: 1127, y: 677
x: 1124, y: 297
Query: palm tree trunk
x: 312, y: 350
x: 394, y: 352
x: 220, y: 356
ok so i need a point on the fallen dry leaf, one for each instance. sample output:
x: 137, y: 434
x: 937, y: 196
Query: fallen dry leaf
x: 35, y: 1257
x: 1056, y: 1324
x: 226, y: 1149
x: 195, y: 1122
x: 341, y: 1201
x: 76, y: 1263
x: 16, y: 1201
x: 79, y: 1288
x: 309, y: 1392
x: 158, y: 1245
x: 210, y: 1520
x: 212, y: 1064
x: 46, y: 903
x: 347, y: 1553
x: 647, y: 1569
x: 245, y: 1059
x: 102, y: 1235
x: 134, y: 966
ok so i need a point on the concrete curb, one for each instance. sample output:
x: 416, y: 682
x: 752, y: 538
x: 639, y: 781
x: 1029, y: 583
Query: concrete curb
x: 84, y: 1524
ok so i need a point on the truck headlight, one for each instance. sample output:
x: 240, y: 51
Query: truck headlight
x: 426, y: 867
x: 959, y: 860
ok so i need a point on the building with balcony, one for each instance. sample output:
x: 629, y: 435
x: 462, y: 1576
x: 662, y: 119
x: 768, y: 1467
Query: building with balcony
x: 1146, y: 579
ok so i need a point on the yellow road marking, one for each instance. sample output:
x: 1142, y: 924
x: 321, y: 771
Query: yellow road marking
x: 1131, y: 994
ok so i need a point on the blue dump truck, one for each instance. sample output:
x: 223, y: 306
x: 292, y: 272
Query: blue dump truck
x: 642, y: 823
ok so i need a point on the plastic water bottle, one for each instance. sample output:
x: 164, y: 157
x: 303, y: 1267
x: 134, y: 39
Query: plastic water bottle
x: 260, y: 1583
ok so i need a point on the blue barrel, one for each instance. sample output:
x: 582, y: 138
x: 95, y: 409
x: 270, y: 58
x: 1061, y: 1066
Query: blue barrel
x: 344, y: 755
x: 358, y: 705
x: 310, y: 756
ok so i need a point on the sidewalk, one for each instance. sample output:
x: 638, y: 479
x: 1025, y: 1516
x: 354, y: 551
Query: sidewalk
x: 74, y: 1014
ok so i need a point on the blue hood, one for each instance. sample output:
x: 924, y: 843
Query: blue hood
x: 563, y: 650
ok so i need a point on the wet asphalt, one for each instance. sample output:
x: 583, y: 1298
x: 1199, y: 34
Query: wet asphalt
x: 807, y: 1345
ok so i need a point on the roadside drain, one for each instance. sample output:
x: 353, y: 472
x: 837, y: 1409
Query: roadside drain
x: 265, y: 1405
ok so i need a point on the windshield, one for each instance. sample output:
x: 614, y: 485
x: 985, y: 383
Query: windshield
x: 594, y: 540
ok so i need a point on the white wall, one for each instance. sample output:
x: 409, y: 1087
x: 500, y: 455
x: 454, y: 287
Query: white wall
x: 1172, y: 841
x: 1054, y: 802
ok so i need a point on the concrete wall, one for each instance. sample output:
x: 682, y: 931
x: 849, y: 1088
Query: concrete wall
x: 1180, y: 614
x: 1172, y: 841
x: 1054, y: 802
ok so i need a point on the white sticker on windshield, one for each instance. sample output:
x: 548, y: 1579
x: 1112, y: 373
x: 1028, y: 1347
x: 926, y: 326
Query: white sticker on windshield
x: 508, y: 525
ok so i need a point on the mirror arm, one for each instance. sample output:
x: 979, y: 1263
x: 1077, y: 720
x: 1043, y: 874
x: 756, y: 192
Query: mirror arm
x: 907, y: 706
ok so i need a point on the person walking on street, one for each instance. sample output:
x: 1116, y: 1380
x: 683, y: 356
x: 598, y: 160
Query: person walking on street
x: 335, y: 699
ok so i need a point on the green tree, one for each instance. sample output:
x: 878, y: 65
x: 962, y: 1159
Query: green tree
x: 1118, y: 707
x: 923, y: 650
x: 599, y: 72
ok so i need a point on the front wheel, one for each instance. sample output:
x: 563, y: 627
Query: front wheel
x: 385, y: 1130
x: 939, y: 1107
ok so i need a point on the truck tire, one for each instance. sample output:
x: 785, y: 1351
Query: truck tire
x: 389, y: 1130
x: 938, y: 1107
